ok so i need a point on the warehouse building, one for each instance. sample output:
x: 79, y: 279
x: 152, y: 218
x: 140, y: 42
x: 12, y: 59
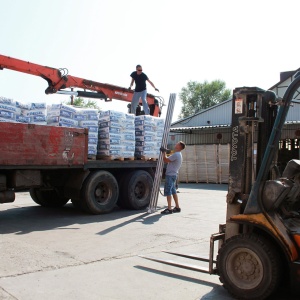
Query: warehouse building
x: 207, y: 137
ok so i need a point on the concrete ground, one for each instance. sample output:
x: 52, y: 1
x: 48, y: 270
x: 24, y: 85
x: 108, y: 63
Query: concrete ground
x: 66, y: 254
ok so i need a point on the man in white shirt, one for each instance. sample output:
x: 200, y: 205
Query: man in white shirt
x: 174, y: 163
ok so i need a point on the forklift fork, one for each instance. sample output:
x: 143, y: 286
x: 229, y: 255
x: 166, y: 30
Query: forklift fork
x: 212, y: 269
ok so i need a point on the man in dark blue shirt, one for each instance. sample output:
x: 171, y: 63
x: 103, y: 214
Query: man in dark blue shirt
x: 140, y: 90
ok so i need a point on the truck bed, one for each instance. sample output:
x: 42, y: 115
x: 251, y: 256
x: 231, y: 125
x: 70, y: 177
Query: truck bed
x: 31, y: 146
x: 39, y: 145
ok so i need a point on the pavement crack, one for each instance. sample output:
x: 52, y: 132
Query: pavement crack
x: 7, y: 293
x: 79, y: 263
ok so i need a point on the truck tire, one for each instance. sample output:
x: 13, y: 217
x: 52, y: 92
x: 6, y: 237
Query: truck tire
x: 100, y: 193
x: 48, y: 198
x: 249, y: 267
x: 136, y: 190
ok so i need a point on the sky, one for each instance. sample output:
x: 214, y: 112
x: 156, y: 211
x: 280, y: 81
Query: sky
x: 243, y: 43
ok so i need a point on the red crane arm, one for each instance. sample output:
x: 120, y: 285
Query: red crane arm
x: 58, y: 80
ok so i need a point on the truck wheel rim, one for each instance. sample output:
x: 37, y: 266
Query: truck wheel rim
x: 139, y: 190
x: 102, y: 193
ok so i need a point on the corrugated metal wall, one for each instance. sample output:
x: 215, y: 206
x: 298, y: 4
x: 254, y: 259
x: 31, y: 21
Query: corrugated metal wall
x: 222, y: 135
x: 215, y: 115
x: 220, y: 115
x: 211, y: 135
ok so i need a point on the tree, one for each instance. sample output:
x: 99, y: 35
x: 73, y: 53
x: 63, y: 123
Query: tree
x: 197, y: 96
x: 80, y: 102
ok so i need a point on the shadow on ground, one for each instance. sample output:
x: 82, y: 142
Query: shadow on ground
x: 26, y: 219
x: 23, y: 220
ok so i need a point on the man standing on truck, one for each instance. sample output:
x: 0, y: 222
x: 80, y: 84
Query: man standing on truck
x: 140, y: 90
x: 174, y: 163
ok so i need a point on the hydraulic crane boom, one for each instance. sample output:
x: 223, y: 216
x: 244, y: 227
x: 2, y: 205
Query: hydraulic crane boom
x: 58, y: 81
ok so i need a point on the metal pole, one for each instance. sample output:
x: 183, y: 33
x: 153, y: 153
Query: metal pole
x: 165, y: 139
x: 160, y: 163
x: 72, y: 97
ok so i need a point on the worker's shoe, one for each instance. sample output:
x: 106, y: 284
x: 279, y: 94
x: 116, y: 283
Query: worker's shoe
x: 176, y: 209
x: 167, y: 211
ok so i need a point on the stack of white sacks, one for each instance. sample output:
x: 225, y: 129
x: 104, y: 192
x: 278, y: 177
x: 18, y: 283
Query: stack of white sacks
x: 69, y: 116
x: 61, y: 115
x: 116, y: 135
x: 8, y: 110
x: 89, y: 118
x: 33, y: 113
x: 149, y: 132
x: 12, y: 111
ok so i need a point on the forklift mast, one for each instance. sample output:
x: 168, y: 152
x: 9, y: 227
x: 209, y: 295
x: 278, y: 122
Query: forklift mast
x: 254, y: 111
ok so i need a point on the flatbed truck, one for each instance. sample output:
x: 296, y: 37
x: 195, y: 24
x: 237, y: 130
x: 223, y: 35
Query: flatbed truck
x: 52, y: 163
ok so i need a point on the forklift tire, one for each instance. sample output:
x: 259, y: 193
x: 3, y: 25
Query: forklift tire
x: 48, y: 198
x: 249, y: 267
x: 136, y: 190
x: 100, y: 193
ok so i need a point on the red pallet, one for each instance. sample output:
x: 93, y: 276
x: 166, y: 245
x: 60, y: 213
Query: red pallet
x: 39, y: 145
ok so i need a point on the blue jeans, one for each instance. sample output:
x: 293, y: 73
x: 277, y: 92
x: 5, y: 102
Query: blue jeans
x: 169, y: 188
x: 135, y: 101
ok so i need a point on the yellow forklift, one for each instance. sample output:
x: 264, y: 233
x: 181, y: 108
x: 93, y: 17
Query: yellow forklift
x: 259, y: 246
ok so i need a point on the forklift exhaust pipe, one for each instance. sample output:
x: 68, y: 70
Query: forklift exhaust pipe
x: 7, y: 197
